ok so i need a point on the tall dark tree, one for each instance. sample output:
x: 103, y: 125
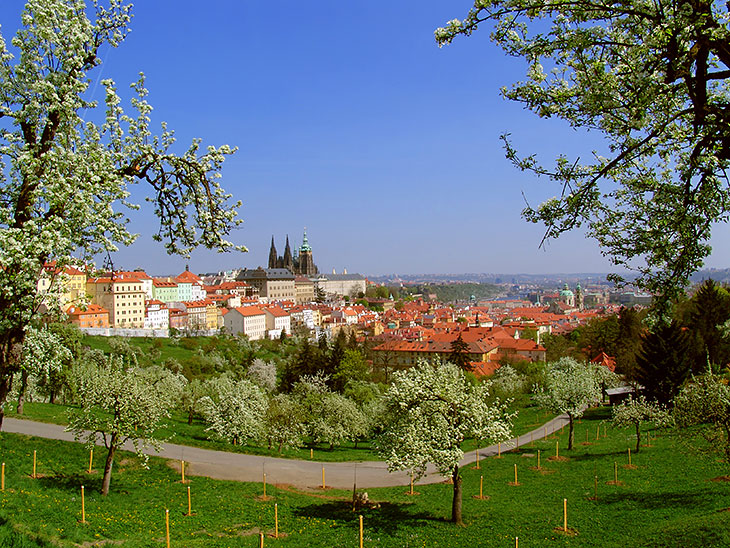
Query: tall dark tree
x: 303, y: 363
x: 710, y: 309
x: 459, y: 355
x: 665, y: 362
x: 628, y: 343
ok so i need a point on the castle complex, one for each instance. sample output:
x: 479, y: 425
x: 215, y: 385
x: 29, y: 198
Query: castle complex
x: 299, y: 264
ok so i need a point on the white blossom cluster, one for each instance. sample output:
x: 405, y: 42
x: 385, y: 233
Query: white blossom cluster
x: 430, y: 411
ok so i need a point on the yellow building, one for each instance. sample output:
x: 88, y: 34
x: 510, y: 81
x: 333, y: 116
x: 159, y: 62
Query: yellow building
x: 123, y: 296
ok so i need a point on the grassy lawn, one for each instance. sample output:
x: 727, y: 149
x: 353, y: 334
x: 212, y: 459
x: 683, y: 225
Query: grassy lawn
x: 668, y: 499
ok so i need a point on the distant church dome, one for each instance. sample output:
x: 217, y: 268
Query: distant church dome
x: 566, y: 292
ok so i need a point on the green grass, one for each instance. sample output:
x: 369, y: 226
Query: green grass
x: 669, y: 500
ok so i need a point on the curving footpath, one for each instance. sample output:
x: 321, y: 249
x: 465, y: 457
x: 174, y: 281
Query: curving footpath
x: 299, y: 473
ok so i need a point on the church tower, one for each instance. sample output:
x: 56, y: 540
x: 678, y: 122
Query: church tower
x: 306, y: 265
x: 288, y: 261
x: 272, y: 254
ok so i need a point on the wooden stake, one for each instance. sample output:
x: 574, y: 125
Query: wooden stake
x: 565, y: 515
x: 91, y: 459
x: 83, y: 506
x: 595, y: 487
x: 477, y: 459
x: 276, y: 521
x: 34, y: 476
x: 517, y: 542
x: 411, y: 482
x: 499, y: 449
x: 311, y: 453
x: 531, y: 442
x: 2, y: 480
x: 481, y: 487
x: 517, y: 442
x: 323, y: 477
x: 545, y: 430
x: 264, y: 485
x: 557, y: 449
x: 360, y: 531
x: 515, y: 473
x: 190, y: 506
x: 167, y: 527
x: 261, y: 540
x: 538, y: 459
x: 182, y: 471
x: 598, y: 432
x: 615, y: 472
x: 629, y: 456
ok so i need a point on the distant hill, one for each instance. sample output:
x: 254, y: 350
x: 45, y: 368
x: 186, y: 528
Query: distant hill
x: 453, y: 292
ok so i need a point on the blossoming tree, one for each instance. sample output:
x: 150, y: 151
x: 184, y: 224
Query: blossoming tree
x: 648, y: 77
x: 65, y: 179
x: 120, y: 403
x: 570, y: 387
x: 429, y: 411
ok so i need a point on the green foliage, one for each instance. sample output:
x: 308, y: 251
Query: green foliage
x: 710, y: 309
x: 706, y: 400
x: 651, y: 77
x: 664, y: 363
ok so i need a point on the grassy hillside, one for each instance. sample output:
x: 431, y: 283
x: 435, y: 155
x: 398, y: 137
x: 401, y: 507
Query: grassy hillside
x: 675, y: 496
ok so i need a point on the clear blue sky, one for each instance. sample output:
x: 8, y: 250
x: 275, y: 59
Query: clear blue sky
x: 352, y: 122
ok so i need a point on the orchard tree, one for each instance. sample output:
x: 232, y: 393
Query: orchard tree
x: 121, y: 403
x: 190, y: 397
x: 429, y: 411
x: 66, y: 180
x: 635, y: 411
x: 706, y: 400
x: 570, y: 387
x: 328, y: 417
x: 283, y: 422
x: 43, y: 357
x: 235, y: 410
x: 651, y: 78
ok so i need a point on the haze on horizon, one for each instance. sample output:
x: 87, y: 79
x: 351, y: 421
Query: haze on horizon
x: 351, y: 122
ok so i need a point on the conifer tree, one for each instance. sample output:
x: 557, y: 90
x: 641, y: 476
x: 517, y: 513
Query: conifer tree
x: 710, y: 309
x: 665, y: 362
x: 459, y: 355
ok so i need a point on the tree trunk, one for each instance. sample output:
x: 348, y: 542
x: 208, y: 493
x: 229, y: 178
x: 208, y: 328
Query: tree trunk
x: 456, y: 502
x: 638, y: 437
x: 190, y: 418
x: 108, y: 466
x: 570, y: 432
x: 21, y: 392
x: 5, y: 385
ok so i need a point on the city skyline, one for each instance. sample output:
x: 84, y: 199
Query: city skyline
x: 354, y: 124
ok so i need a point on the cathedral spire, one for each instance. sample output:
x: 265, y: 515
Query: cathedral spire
x: 288, y: 261
x: 272, y: 254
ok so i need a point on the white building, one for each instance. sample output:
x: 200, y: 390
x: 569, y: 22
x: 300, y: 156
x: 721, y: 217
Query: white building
x: 246, y: 320
x: 157, y: 315
x: 277, y: 320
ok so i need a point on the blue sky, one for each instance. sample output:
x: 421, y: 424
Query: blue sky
x: 350, y: 121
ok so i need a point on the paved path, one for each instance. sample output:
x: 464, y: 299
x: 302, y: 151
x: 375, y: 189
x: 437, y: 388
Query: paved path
x: 299, y: 473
